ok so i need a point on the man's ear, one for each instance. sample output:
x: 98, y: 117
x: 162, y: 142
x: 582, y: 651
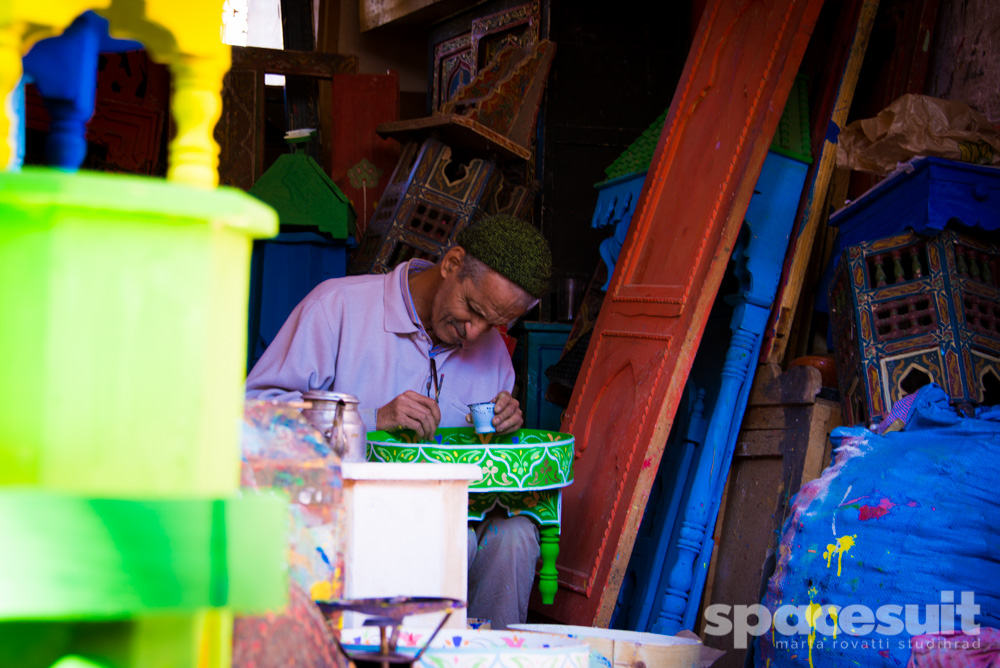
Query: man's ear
x: 452, y: 261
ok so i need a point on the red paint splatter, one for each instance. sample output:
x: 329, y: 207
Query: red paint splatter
x: 646, y: 464
x: 866, y: 513
x: 884, y: 653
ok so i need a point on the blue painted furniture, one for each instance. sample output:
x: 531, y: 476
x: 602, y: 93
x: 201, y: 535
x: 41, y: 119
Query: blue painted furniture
x: 908, y: 310
x: 539, y: 346
x: 925, y: 197
x: 667, y: 576
x: 758, y: 268
x: 282, y: 271
x: 616, y: 200
x: 618, y: 196
x: 669, y: 563
x: 64, y: 69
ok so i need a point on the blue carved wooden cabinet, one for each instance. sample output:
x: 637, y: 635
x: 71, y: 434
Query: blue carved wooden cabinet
x: 915, y: 296
x: 539, y: 346
x: 909, y: 310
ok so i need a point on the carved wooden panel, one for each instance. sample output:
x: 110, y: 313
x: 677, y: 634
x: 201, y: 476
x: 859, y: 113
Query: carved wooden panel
x: 453, y: 68
x: 240, y: 130
x: 725, y: 110
x: 241, y: 140
x: 125, y: 134
x: 458, y: 59
x: 518, y: 25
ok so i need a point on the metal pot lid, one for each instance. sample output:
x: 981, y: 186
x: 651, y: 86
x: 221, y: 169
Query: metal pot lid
x: 326, y: 395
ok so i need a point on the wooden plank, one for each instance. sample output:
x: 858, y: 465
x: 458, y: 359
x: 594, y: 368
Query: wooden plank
x: 327, y: 41
x: 301, y: 103
x: 767, y: 419
x: 240, y: 130
x: 724, y: 112
x: 458, y: 130
x: 378, y: 13
x: 298, y: 63
x: 720, y: 522
x: 771, y: 387
x: 769, y: 443
x: 764, y: 476
x: 817, y: 456
x: 813, y: 213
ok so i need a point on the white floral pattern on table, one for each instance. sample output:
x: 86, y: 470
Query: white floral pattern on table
x: 527, y: 459
x: 479, y: 649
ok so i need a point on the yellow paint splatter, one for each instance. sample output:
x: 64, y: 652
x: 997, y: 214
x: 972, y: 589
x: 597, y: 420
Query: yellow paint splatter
x: 812, y: 614
x: 843, y: 544
x: 321, y: 591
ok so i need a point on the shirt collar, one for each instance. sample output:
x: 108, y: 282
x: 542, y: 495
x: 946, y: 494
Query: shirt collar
x: 400, y: 314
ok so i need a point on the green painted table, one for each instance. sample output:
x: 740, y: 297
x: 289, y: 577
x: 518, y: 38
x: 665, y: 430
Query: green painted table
x: 523, y: 472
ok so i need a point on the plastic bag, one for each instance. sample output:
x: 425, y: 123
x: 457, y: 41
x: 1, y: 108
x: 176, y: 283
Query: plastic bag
x: 918, y: 125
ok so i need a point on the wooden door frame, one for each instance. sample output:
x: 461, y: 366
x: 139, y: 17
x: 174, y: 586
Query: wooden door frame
x: 725, y: 110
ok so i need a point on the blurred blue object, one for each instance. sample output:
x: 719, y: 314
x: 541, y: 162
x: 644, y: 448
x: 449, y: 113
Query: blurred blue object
x: 64, y: 69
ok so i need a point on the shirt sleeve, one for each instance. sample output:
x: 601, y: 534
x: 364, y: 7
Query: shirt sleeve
x: 369, y: 417
x: 302, y: 357
x: 506, y: 372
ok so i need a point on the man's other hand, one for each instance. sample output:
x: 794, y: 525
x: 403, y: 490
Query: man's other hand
x: 411, y: 410
x: 507, y: 414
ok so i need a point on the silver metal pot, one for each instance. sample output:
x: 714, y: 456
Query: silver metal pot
x: 336, y: 416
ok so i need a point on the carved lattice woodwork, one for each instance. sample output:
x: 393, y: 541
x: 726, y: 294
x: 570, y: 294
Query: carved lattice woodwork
x: 907, y: 311
x: 459, y: 59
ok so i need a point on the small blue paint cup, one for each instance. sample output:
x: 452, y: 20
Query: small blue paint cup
x: 482, y: 417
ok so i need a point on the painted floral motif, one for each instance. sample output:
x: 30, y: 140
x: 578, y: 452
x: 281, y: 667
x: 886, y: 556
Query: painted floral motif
x: 364, y: 174
x: 545, y: 506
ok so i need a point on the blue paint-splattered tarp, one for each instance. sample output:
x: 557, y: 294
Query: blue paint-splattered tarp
x: 906, y: 518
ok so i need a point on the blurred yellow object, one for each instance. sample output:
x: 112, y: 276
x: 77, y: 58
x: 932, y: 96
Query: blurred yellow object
x: 182, y: 34
x: 125, y: 306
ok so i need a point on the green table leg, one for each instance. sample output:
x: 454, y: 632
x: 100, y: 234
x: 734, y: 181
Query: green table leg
x: 547, y: 585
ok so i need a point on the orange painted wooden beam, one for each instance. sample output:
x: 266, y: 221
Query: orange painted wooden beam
x: 724, y: 113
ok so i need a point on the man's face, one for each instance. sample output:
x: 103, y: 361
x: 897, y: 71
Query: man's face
x: 466, y: 308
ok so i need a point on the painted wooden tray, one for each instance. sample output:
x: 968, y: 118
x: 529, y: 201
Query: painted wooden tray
x: 524, y: 460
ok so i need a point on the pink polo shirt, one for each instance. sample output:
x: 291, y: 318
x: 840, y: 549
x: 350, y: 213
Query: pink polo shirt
x: 356, y: 335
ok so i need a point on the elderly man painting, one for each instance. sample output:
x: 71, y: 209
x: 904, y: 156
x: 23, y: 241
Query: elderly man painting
x: 388, y: 338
